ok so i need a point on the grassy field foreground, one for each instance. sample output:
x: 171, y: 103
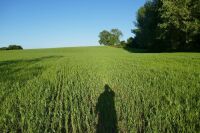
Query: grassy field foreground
x: 99, y: 89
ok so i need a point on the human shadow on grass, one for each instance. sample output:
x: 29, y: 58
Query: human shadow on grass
x: 105, y: 109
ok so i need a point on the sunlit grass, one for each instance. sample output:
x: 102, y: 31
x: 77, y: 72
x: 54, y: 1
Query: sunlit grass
x: 57, y: 90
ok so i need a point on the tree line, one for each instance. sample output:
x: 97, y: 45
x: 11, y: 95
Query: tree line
x: 167, y: 25
x: 12, y: 47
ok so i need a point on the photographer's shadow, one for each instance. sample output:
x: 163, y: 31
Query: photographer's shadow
x: 105, y: 109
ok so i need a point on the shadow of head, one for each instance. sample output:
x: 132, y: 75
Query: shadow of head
x: 105, y: 109
x: 107, y: 88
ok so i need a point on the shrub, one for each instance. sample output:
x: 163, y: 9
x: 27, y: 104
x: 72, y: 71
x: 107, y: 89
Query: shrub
x: 12, y: 47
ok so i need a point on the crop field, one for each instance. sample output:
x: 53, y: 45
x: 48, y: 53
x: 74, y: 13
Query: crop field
x: 99, y: 89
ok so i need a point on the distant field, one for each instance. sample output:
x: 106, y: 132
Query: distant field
x: 99, y: 89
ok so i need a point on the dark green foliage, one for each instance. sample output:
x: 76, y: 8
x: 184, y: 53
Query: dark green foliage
x: 110, y: 38
x: 12, y: 47
x: 123, y: 43
x: 180, y: 24
x: 147, y: 26
x: 130, y: 42
x: 168, y: 25
x: 3, y: 48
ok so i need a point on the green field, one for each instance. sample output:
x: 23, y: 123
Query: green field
x: 99, y: 89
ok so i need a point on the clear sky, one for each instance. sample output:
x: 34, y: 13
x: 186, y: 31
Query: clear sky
x: 63, y: 23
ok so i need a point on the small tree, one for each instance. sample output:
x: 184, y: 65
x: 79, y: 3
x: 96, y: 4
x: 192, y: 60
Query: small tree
x: 110, y: 38
x: 105, y: 38
x: 116, y: 33
x: 14, y: 47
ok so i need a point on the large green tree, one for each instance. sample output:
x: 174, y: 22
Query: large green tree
x: 147, y: 21
x: 168, y: 25
x: 110, y: 37
x: 180, y: 23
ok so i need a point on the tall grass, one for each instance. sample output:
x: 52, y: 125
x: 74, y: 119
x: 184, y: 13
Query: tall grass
x: 58, y: 90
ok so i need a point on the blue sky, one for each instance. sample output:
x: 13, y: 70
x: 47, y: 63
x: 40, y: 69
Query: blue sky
x: 63, y: 23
